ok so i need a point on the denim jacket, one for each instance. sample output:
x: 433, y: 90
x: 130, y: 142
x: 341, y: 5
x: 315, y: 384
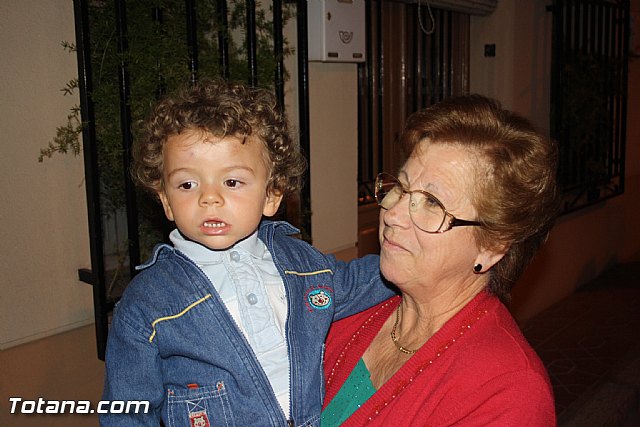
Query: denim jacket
x: 173, y: 343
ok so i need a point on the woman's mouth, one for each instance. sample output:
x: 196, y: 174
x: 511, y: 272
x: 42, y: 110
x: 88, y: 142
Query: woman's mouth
x: 390, y: 244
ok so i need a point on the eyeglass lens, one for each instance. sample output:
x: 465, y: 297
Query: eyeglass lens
x: 426, y: 212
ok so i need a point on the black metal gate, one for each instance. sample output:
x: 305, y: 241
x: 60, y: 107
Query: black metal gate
x: 130, y: 53
x: 589, y: 97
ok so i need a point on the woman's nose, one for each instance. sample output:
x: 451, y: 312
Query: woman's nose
x: 398, y: 214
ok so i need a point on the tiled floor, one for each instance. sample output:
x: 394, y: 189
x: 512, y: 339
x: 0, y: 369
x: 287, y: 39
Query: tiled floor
x: 590, y: 344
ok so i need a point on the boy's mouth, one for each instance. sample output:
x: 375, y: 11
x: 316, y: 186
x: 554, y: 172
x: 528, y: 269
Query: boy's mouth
x: 214, y: 224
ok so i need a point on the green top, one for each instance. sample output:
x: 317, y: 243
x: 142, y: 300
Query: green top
x: 356, y: 390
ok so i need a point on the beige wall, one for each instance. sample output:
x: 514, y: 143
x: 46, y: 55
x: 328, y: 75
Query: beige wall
x: 43, y: 214
x: 519, y: 73
x: 333, y: 92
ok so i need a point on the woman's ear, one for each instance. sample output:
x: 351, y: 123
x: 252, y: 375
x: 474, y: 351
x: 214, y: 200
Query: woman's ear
x: 272, y: 203
x: 487, y: 258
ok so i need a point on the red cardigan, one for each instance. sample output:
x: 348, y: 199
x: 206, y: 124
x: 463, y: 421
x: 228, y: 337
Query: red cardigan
x: 477, y: 370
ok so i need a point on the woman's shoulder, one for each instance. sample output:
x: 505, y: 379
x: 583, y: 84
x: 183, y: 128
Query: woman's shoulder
x: 495, y: 345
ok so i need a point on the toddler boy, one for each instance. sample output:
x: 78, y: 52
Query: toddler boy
x: 227, y: 326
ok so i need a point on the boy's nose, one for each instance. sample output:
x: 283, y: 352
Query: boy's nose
x: 211, y: 196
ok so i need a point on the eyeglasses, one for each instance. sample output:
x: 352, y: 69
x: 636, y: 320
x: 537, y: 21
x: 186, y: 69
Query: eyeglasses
x: 425, y: 210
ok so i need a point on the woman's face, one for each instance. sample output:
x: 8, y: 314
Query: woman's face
x: 411, y: 258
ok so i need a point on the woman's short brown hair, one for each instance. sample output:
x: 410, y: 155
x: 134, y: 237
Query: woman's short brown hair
x: 222, y: 109
x: 515, y: 196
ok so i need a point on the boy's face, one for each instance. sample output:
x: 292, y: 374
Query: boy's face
x: 215, y: 189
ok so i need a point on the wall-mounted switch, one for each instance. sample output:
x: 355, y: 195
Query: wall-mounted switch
x: 490, y: 50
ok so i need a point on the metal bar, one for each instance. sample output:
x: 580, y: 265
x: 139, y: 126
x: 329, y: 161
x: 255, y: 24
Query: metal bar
x: 624, y: 23
x: 161, y: 87
x: 369, y: 79
x: 363, y: 154
x: 590, y: 26
x: 557, y: 37
x: 433, y: 68
x: 278, y: 51
x: 426, y: 88
x: 92, y: 175
x: 584, y: 26
x: 380, y: 111
x: 441, y: 58
x: 252, y: 55
x: 449, y: 54
x: 303, y: 106
x: 417, y: 59
x: 610, y: 78
x: 223, y: 38
x: 192, y: 38
x: 597, y: 34
x: 127, y: 138
x: 616, y: 57
x: 365, y: 141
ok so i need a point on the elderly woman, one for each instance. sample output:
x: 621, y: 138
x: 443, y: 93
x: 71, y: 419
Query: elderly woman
x: 459, y: 223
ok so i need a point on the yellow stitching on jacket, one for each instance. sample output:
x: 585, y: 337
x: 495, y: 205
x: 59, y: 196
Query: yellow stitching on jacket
x: 311, y: 273
x: 175, y: 316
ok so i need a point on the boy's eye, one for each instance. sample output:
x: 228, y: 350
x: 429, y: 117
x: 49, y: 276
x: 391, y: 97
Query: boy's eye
x: 187, y: 185
x: 232, y: 183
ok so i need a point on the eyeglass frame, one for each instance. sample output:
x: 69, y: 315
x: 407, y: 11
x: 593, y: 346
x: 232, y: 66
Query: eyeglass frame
x: 453, y: 221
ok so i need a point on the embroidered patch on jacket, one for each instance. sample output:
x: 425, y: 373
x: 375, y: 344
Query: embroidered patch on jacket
x: 199, y: 419
x: 197, y: 414
x: 319, y: 298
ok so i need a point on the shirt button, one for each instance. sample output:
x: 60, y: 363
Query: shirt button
x: 235, y: 256
x: 252, y: 299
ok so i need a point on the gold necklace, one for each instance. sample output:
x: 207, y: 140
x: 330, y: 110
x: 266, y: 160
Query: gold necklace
x: 393, y: 334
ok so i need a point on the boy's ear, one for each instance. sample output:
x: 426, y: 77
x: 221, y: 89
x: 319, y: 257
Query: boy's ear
x: 165, y: 204
x: 271, y: 203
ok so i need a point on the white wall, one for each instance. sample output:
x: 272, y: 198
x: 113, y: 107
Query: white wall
x: 43, y: 215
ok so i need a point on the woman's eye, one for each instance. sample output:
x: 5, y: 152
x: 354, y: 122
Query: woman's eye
x: 431, y: 202
x: 187, y: 185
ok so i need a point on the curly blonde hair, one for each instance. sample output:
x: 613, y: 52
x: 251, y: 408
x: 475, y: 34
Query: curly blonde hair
x: 221, y: 109
x: 516, y: 196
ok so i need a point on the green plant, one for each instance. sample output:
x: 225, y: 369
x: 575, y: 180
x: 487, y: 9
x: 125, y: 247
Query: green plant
x: 67, y: 137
